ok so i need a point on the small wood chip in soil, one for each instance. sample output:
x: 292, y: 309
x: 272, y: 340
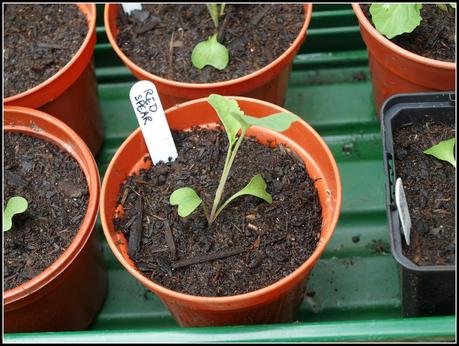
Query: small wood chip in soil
x: 209, y: 257
x: 135, y: 234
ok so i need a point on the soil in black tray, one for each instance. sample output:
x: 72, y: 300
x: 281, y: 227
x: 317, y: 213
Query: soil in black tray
x: 434, y: 38
x: 57, y: 194
x: 255, y: 35
x: 430, y: 192
x: 39, y: 40
x: 251, y: 244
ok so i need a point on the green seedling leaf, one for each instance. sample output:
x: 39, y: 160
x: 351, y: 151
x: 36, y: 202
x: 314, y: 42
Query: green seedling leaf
x: 277, y: 122
x: 442, y: 7
x: 15, y: 205
x: 256, y: 187
x: 228, y: 111
x: 394, y: 19
x: 187, y: 200
x: 443, y: 151
x: 210, y: 52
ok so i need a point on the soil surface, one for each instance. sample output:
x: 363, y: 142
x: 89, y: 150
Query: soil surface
x: 57, y: 193
x: 39, y: 40
x: 251, y: 244
x: 255, y: 35
x: 429, y: 186
x: 434, y: 38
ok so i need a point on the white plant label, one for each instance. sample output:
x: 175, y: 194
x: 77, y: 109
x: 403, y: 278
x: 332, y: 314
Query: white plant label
x: 402, y: 207
x: 153, y: 122
x: 128, y: 7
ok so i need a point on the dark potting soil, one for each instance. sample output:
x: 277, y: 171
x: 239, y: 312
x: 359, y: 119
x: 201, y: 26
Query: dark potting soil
x: 255, y: 35
x: 434, y: 38
x: 430, y: 192
x: 57, y: 193
x: 252, y: 243
x: 39, y: 40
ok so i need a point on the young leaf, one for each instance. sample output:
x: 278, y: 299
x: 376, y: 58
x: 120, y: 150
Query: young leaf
x: 187, y: 200
x: 395, y: 19
x: 443, y: 151
x: 210, y: 52
x: 15, y: 205
x: 277, y: 122
x: 226, y: 109
x: 256, y: 187
x: 442, y: 7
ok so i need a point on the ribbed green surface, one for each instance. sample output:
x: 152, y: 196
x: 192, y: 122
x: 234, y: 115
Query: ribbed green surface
x: 355, y: 284
x: 420, y: 329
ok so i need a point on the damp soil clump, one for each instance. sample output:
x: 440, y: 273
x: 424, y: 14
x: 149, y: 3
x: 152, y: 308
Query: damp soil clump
x: 57, y: 193
x: 429, y: 185
x: 160, y: 38
x: 39, y: 40
x: 252, y: 243
x: 434, y: 38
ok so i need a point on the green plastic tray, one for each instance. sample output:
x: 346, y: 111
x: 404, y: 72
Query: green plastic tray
x: 356, y: 284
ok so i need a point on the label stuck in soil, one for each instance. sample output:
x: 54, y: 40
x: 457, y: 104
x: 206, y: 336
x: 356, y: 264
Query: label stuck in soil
x: 402, y: 207
x: 153, y: 123
x: 129, y: 7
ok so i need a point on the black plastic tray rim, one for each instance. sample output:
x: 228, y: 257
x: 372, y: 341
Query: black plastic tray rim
x: 391, y: 107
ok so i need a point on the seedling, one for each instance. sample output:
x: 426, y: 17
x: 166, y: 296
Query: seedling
x: 15, y: 205
x: 236, y: 124
x: 443, y: 151
x: 211, y: 52
x: 445, y: 7
x: 395, y: 19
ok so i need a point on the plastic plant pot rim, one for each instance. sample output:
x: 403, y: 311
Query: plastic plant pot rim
x: 89, y: 39
x: 396, y: 234
x: 281, y: 58
x: 397, y: 49
x: 91, y: 173
x: 228, y: 301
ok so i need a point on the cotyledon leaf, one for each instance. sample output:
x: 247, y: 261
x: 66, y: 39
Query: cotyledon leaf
x: 256, y: 187
x: 210, y: 52
x: 15, y: 205
x: 444, y: 150
x: 394, y: 19
x: 187, y: 200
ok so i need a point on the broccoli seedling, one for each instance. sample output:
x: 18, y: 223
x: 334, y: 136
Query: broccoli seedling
x: 236, y: 124
x: 211, y: 52
x: 15, y: 205
x: 395, y: 19
x: 445, y: 8
x: 444, y: 150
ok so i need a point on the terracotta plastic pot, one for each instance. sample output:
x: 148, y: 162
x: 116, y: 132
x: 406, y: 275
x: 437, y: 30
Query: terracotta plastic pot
x: 395, y: 70
x: 278, y: 302
x: 71, y: 95
x: 268, y: 84
x: 68, y: 294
